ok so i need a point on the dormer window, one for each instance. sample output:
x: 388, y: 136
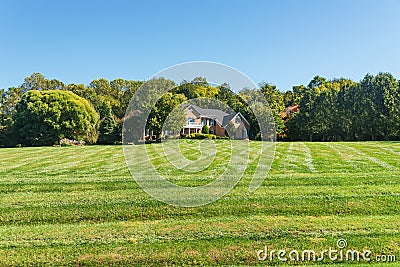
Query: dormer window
x: 238, y: 119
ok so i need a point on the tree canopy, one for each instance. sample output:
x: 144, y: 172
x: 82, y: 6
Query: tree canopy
x: 341, y: 109
x: 46, y: 117
x: 41, y: 110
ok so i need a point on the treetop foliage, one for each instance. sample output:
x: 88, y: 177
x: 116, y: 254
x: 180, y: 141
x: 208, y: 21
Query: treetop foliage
x: 337, y: 109
x: 45, y: 117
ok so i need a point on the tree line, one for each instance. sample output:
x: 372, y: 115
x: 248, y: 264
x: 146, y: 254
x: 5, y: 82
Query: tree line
x: 43, y: 111
x: 343, y: 110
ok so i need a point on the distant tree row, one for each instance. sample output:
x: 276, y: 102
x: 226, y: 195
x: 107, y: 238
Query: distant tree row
x: 42, y: 111
x: 109, y: 101
x: 343, y: 110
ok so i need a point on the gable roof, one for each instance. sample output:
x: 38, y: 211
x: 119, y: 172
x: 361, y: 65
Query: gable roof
x: 230, y: 117
x: 221, y: 117
x: 216, y: 114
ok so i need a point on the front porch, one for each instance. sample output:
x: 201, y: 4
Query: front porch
x: 192, y: 127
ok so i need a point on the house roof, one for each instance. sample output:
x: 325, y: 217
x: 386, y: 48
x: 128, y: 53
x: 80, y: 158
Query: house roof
x: 221, y: 117
x: 216, y: 114
x: 293, y: 108
x: 230, y: 117
x: 289, y: 111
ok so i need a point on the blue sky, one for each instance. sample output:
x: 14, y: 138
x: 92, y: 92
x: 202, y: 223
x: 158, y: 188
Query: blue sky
x: 284, y: 43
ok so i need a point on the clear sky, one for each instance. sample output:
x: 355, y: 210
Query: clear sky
x: 284, y: 43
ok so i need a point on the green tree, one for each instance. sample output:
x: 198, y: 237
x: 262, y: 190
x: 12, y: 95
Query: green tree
x: 129, y: 89
x: 258, y: 109
x: 389, y: 105
x: 81, y: 90
x: 38, y: 82
x: 205, y: 129
x: 304, y: 125
x: 234, y: 101
x: 164, y: 106
x: 377, y: 107
x: 289, y: 99
x: 34, y: 82
x: 273, y: 96
x: 148, y: 109
x: 45, y: 117
x: 8, y: 102
x: 317, y: 81
x: 276, y: 102
x: 108, y: 130
x: 198, y: 87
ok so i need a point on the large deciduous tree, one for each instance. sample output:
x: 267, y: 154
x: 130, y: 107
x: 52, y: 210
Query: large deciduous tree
x: 8, y: 102
x: 164, y: 106
x: 38, y: 82
x: 45, y: 117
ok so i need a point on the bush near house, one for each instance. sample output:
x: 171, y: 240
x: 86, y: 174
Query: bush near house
x: 205, y: 129
x: 200, y: 136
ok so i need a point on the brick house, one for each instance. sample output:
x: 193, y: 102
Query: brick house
x: 217, y: 121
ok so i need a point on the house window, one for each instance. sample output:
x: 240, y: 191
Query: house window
x: 211, y: 122
x: 190, y: 120
x: 211, y: 131
x: 238, y: 119
x: 203, y: 121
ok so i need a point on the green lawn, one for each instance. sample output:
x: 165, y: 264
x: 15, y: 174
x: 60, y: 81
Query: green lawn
x: 79, y: 206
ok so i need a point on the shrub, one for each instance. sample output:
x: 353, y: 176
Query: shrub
x: 68, y: 142
x: 200, y: 136
x: 205, y: 129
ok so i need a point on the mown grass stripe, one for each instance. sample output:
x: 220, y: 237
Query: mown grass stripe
x: 82, y: 207
x: 370, y: 158
x: 308, y: 158
x: 343, y: 156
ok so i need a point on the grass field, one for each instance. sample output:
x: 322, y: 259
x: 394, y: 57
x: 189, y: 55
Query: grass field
x: 79, y: 206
